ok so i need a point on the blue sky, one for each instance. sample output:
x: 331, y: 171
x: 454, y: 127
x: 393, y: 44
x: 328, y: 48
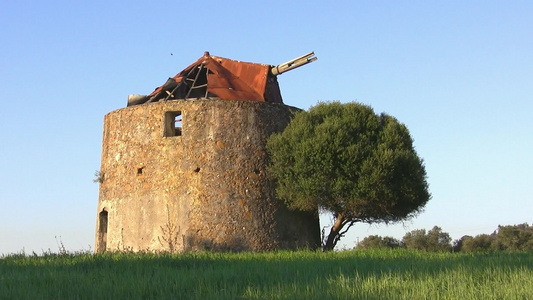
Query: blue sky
x: 459, y: 74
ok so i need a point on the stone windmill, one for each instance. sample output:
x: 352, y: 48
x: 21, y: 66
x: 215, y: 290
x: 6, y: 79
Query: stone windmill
x: 184, y: 168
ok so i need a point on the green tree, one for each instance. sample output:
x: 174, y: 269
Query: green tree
x: 439, y: 240
x: 433, y: 240
x: 458, y: 245
x: 514, y: 237
x: 479, y: 243
x: 416, y: 239
x: 347, y: 160
x: 376, y: 241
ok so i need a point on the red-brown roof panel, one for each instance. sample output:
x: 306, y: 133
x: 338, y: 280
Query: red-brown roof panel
x: 228, y: 81
x: 254, y: 75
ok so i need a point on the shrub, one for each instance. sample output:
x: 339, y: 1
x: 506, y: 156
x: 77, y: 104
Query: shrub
x: 433, y: 240
x: 376, y: 241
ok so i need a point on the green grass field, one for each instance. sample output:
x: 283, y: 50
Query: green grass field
x: 368, y: 274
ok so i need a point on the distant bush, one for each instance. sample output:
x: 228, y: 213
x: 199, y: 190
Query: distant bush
x: 516, y: 237
x: 433, y: 240
x: 482, y: 242
x: 505, y: 238
x: 376, y: 241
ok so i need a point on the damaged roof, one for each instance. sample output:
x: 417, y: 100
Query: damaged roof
x: 222, y: 78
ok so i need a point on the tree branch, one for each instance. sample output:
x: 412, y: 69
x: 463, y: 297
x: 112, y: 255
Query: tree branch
x: 341, y: 234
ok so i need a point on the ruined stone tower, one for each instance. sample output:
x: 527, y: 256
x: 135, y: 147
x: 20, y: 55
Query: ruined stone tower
x: 184, y: 168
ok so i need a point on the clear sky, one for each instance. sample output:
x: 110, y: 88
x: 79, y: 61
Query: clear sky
x: 459, y: 74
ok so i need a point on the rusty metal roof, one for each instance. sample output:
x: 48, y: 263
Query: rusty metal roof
x: 222, y: 78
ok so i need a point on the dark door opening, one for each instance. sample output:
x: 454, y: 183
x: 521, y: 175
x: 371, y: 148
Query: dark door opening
x: 102, y: 231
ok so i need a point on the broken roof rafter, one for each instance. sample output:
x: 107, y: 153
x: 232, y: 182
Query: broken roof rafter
x: 193, y: 85
x: 222, y: 78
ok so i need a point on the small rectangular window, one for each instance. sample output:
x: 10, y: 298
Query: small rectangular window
x: 173, y: 123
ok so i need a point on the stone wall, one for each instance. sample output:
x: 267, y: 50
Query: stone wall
x: 204, y: 186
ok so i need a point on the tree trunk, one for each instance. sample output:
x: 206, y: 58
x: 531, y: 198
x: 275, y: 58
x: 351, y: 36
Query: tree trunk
x: 333, y: 233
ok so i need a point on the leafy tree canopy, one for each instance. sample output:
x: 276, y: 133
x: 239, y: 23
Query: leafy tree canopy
x: 433, y: 240
x: 345, y: 159
x: 517, y: 237
x: 376, y: 241
x: 507, y: 238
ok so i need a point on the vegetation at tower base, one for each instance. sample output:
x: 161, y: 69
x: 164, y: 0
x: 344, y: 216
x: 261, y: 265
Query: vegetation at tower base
x: 347, y: 160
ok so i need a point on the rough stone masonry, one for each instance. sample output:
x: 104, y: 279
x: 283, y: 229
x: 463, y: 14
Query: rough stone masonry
x: 191, y: 175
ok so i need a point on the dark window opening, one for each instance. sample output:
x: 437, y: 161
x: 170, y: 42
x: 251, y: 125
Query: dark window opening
x: 173, y: 123
x: 140, y: 171
x: 102, y: 231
